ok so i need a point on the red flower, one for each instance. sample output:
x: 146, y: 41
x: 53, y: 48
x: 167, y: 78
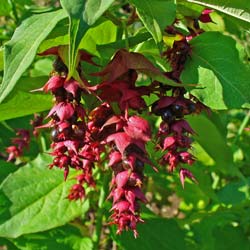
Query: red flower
x: 63, y: 110
x: 184, y: 173
x: 205, y: 16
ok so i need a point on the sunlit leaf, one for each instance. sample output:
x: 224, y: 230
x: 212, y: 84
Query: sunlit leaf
x: 20, y: 51
x: 38, y: 200
x: 215, y: 65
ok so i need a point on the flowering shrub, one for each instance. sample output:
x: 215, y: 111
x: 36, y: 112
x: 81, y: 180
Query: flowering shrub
x: 137, y: 118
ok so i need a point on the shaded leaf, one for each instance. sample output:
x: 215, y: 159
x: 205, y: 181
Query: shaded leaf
x: 64, y: 238
x: 164, y: 231
x: 20, y: 51
x: 234, y: 192
x: 230, y: 237
x: 212, y: 230
x: 6, y: 168
x: 38, y: 199
x: 216, y: 67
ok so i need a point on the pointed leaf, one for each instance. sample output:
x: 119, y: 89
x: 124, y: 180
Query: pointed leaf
x: 38, y: 200
x: 234, y: 8
x: 20, y: 51
x: 124, y: 60
x: 94, y: 9
x: 77, y: 28
x: 216, y: 67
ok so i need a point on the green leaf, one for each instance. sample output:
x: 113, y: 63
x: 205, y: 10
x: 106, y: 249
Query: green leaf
x: 6, y: 168
x: 21, y: 102
x: 215, y: 231
x: 1, y: 59
x: 107, y: 50
x: 64, y: 238
x: 58, y: 36
x: 104, y: 33
x: 21, y: 50
x: 38, y: 199
x: 5, y: 8
x: 155, y: 15
x: 161, y: 233
x: 233, y: 8
x: 94, y: 9
x: 185, y: 8
x: 216, y: 67
x: 24, y: 104
x: 213, y: 143
x: 42, y: 67
x: 77, y: 28
x: 234, y: 192
x: 230, y: 237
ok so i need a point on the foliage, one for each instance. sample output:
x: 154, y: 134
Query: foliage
x: 147, y: 96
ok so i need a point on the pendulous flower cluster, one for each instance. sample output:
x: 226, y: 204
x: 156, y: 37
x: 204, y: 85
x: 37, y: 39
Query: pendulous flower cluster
x: 20, y: 142
x: 113, y: 125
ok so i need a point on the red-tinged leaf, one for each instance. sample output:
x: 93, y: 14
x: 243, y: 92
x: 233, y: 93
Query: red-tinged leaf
x: 117, y: 194
x: 168, y: 142
x: 165, y: 102
x: 123, y: 61
x: 85, y: 56
x: 121, y: 206
x: 50, y: 51
x: 121, y: 139
x: 114, y: 120
x: 70, y: 145
x: 53, y: 83
x: 122, y: 178
x: 63, y: 110
x: 130, y: 197
x: 205, y: 17
x: 180, y: 126
x: 131, y: 97
x: 184, y: 173
x: 71, y: 86
x: 114, y: 158
x: 138, y: 128
x: 139, y: 194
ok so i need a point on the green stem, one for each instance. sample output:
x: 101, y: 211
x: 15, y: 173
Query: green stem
x: 124, y: 26
x: 242, y: 126
x: 41, y: 143
x: 100, y: 211
x: 13, y: 6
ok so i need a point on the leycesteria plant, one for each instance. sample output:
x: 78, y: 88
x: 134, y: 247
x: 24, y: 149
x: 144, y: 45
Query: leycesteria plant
x: 114, y: 116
